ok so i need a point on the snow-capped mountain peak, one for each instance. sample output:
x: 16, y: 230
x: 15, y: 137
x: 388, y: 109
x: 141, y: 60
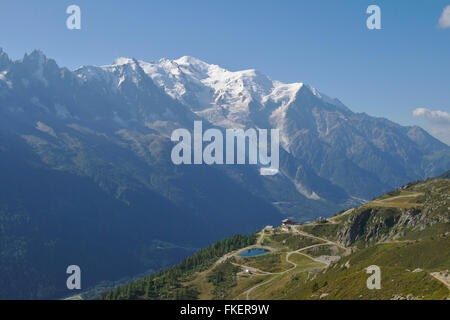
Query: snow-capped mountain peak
x: 208, y: 89
x: 223, y: 97
x: 113, y: 75
x: 122, y: 61
x: 244, y: 98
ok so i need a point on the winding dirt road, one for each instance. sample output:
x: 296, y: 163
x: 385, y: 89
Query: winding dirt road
x: 294, y: 265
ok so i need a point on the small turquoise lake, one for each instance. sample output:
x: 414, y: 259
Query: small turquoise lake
x: 253, y: 252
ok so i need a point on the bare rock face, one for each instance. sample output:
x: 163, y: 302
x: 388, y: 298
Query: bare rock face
x: 423, y: 205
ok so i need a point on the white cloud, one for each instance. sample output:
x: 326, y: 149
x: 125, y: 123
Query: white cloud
x: 436, y: 116
x: 444, y: 20
x: 439, y: 122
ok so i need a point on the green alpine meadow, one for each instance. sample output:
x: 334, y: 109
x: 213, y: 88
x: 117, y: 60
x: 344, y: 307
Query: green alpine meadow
x: 404, y: 232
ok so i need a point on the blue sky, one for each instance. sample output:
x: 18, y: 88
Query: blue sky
x: 388, y: 72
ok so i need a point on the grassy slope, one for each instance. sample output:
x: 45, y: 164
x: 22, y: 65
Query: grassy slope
x: 396, y: 261
x: 405, y: 232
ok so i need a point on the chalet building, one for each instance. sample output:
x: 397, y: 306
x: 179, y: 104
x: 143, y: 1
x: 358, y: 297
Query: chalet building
x: 287, y: 222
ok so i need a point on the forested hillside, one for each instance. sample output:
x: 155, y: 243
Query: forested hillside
x: 167, y: 284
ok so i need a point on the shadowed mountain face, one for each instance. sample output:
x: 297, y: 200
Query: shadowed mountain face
x: 87, y: 178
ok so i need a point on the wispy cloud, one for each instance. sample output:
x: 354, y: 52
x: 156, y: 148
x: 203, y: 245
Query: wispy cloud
x: 444, y: 20
x: 439, y: 122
